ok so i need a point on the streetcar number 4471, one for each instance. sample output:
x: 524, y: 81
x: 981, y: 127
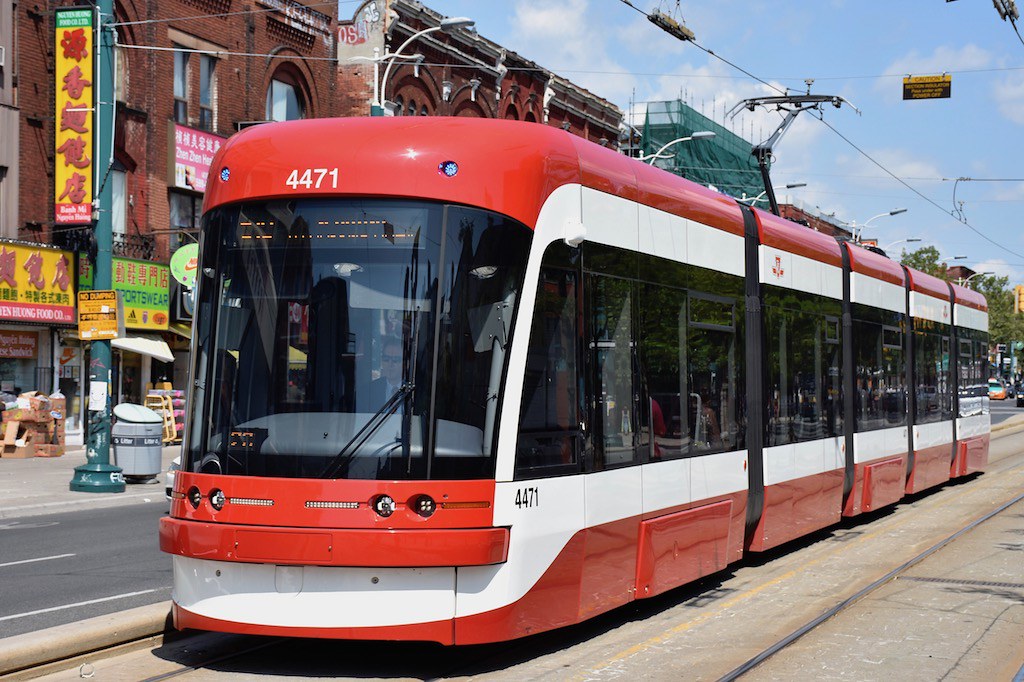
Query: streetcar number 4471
x: 527, y: 497
x: 313, y: 178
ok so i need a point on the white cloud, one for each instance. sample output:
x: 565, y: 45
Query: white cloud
x: 1000, y: 268
x: 564, y: 38
x: 1008, y: 94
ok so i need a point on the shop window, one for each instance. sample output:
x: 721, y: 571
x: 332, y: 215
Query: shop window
x: 118, y: 216
x: 284, y: 98
x: 412, y: 107
x: 120, y: 74
x: 181, y: 59
x: 207, y: 91
x: 185, y: 213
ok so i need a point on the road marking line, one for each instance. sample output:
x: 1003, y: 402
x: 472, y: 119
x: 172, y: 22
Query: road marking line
x: 29, y: 561
x: 81, y: 603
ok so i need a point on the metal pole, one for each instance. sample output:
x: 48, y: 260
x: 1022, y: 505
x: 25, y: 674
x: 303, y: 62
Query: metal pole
x: 97, y: 475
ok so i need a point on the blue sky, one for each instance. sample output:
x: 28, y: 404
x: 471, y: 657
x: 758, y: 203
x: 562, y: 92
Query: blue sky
x: 859, y: 50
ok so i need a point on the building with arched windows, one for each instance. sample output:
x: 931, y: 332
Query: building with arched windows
x: 440, y: 71
x: 188, y: 74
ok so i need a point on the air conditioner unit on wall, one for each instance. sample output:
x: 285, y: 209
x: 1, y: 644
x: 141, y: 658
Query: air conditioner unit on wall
x: 3, y: 55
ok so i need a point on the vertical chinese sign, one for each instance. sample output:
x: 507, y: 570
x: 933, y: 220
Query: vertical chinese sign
x: 73, y: 179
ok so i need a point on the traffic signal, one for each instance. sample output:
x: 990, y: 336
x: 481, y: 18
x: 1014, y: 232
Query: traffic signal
x: 1018, y: 299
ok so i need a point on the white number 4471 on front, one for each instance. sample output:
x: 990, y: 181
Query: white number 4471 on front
x: 313, y: 178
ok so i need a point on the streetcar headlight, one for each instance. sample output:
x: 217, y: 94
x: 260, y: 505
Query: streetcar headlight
x: 217, y: 498
x: 384, y: 505
x: 424, y: 506
x: 194, y: 497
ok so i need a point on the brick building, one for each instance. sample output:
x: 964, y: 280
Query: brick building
x: 188, y: 74
x: 456, y: 73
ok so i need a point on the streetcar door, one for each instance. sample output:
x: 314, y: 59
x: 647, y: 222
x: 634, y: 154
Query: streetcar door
x: 612, y: 486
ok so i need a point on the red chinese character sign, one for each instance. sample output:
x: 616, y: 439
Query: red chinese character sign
x: 73, y: 176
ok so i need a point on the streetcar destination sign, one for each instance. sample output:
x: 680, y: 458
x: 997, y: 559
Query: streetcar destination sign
x: 927, y: 87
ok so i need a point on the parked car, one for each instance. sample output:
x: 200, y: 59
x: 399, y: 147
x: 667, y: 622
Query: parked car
x: 173, y: 467
x: 996, y: 389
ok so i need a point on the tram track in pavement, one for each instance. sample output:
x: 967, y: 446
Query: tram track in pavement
x: 800, y: 632
x: 549, y: 653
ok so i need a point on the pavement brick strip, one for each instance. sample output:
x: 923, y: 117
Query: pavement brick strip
x: 63, y: 642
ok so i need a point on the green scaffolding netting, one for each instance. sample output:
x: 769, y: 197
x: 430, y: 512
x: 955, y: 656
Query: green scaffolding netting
x: 724, y: 161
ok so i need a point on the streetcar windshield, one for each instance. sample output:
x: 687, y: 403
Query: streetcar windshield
x: 344, y: 338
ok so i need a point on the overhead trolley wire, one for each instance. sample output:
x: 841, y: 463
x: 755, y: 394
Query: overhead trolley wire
x: 851, y: 143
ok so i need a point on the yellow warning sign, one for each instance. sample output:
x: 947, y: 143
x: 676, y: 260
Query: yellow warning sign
x: 99, y: 315
x: 927, y: 87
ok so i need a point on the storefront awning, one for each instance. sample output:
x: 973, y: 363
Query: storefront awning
x: 181, y: 329
x: 144, y: 344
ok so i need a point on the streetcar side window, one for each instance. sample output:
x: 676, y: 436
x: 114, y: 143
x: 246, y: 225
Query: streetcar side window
x: 610, y: 353
x: 803, y: 357
x: 880, y: 366
x: 663, y: 347
x: 932, y: 391
x: 550, y: 418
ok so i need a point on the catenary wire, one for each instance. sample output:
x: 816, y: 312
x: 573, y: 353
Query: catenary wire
x: 858, y: 149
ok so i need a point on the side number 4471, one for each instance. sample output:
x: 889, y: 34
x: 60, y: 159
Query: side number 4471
x: 313, y: 178
x: 527, y: 497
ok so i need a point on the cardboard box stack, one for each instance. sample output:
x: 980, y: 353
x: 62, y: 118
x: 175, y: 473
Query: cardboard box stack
x: 34, y: 427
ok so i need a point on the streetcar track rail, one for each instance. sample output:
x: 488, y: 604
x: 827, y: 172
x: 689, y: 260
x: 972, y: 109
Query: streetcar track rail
x: 791, y: 638
x: 511, y: 651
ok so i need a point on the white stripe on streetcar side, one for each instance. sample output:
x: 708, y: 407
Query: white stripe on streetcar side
x: 81, y: 603
x: 30, y: 561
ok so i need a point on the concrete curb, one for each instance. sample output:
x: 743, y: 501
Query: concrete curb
x: 74, y: 639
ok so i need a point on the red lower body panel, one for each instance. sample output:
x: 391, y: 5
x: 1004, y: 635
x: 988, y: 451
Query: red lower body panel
x: 798, y: 507
x: 971, y: 456
x: 931, y: 468
x: 876, y: 484
x: 682, y: 547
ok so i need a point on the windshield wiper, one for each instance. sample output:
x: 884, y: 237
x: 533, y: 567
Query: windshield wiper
x: 357, y: 441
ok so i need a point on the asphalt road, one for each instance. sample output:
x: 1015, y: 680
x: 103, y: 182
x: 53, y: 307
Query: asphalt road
x: 61, y: 568
x: 1001, y: 410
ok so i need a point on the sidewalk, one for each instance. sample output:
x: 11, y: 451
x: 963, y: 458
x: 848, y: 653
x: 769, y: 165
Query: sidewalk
x: 40, y: 485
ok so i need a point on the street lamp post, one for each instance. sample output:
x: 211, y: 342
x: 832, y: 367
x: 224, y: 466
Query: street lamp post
x: 660, y: 154
x: 754, y: 200
x: 858, y: 235
x: 965, y: 282
x: 98, y: 475
x: 900, y: 241
x: 447, y: 25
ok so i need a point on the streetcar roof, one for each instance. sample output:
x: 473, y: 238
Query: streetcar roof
x: 969, y: 297
x: 928, y: 284
x: 509, y: 167
x: 795, y: 238
x: 875, y: 265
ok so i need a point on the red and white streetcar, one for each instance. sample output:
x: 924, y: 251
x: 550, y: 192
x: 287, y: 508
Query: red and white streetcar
x: 467, y: 380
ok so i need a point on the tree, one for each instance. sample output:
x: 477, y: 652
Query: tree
x: 1004, y: 326
x: 926, y: 260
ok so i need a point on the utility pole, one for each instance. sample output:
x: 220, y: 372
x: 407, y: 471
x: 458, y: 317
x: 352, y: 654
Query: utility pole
x: 97, y: 475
